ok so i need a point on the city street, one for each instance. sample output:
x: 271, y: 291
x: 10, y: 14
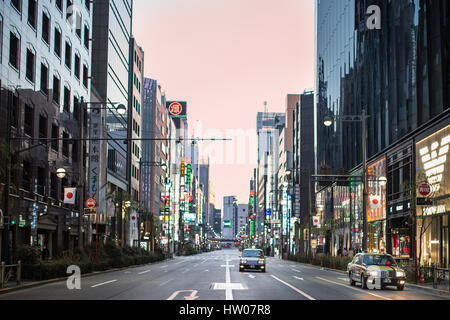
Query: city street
x: 216, y: 276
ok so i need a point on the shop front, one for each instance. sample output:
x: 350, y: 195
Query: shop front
x: 433, y: 166
x: 376, y: 206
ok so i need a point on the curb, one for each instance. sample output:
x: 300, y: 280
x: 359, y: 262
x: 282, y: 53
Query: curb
x: 44, y: 282
x: 433, y: 290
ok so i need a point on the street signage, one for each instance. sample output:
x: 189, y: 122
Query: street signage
x: 424, y: 189
x: 90, y: 203
x: 424, y: 201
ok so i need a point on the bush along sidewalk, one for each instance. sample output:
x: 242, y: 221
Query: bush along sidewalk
x: 322, y: 260
x: 109, y: 256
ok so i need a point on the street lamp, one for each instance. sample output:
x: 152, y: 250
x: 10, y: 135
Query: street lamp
x: 328, y: 121
x: 61, y: 173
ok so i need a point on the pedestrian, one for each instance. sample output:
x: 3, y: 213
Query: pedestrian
x: 344, y: 252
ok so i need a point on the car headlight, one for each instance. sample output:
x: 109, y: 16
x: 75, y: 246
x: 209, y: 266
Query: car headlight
x: 400, y: 274
x: 243, y: 260
x: 374, y: 273
x: 261, y: 261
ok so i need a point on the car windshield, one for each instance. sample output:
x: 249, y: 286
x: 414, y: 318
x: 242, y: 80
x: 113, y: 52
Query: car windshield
x: 252, y: 254
x: 379, y: 260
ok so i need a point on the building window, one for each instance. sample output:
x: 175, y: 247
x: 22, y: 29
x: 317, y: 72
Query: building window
x: 27, y: 175
x: 59, y: 4
x: 87, y: 5
x: 58, y: 42
x: 46, y: 28
x: 41, y: 181
x: 44, y: 79
x: 30, y: 71
x: 77, y: 66
x: 55, y: 136
x: 76, y: 107
x: 32, y: 5
x: 15, y: 111
x: 28, y: 121
x: 78, y: 26
x: 86, y: 37
x: 69, y: 10
x: 42, y: 127
x: 85, y: 75
x: 65, y: 144
x: 14, y: 51
x: 17, y: 4
x: 56, y: 89
x: 66, y: 105
x: 68, y: 59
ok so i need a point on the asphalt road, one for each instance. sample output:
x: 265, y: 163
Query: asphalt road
x: 216, y: 276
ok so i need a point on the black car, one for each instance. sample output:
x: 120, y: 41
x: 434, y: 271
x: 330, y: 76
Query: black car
x: 252, y: 259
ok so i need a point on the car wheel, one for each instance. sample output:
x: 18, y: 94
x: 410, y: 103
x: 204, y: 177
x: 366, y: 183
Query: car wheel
x: 363, y: 282
x: 352, y: 282
x: 400, y: 287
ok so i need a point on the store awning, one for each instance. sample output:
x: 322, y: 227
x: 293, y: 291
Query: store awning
x: 47, y: 222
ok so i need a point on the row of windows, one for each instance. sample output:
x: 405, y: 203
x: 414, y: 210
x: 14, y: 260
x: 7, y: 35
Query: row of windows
x: 17, y: 4
x: 30, y: 72
x: 137, y: 61
x: 136, y: 82
x: 136, y: 150
x: 136, y: 105
x: 136, y: 128
x: 135, y: 172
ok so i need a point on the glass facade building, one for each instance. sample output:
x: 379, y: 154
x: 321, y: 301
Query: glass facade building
x: 399, y: 74
x: 112, y: 23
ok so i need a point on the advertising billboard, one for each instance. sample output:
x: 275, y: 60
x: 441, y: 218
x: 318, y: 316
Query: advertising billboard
x: 177, y: 109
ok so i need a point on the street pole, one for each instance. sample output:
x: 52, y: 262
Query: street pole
x: 310, y: 217
x: 5, y: 232
x: 364, y: 154
x: 81, y: 178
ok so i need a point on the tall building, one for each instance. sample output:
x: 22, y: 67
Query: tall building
x: 269, y: 126
x: 229, y: 219
x: 399, y: 74
x: 45, y: 63
x: 303, y: 161
x: 242, y: 220
x: 111, y: 34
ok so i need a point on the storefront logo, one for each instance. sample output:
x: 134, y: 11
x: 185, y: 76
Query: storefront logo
x: 434, y: 159
x: 175, y: 108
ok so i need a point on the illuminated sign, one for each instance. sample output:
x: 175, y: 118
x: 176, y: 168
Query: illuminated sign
x: 227, y: 223
x: 433, y: 162
x: 376, y: 202
x: 177, y: 109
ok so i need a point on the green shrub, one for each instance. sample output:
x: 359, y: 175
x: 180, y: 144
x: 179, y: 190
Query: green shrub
x: 28, y: 254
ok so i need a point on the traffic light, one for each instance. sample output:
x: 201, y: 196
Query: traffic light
x: 13, y: 221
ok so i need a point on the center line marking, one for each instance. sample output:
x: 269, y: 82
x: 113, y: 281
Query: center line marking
x: 293, y: 288
x: 100, y: 284
x: 144, y: 272
x: 165, y: 282
x: 360, y: 290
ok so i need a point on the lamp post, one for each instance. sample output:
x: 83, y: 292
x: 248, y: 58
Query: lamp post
x: 328, y: 121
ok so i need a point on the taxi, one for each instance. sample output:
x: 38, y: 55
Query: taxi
x: 375, y: 271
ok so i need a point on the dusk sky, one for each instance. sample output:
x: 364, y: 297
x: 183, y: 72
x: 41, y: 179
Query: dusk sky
x: 225, y: 58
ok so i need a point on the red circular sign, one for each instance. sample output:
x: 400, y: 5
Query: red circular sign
x: 375, y: 201
x: 69, y: 195
x: 175, y: 108
x: 90, y: 203
x: 424, y: 189
x: 316, y: 220
x: 133, y: 218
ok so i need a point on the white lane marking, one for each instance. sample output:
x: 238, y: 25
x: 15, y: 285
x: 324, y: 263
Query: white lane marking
x: 186, y: 270
x: 206, y: 270
x: 127, y: 272
x: 179, y: 262
x: 204, y: 261
x: 360, y: 290
x: 296, y: 270
x: 100, y: 284
x: 162, y: 267
x: 228, y: 291
x: 251, y: 276
x: 343, y: 279
x: 293, y: 288
x: 226, y: 265
x: 299, y: 278
x: 144, y: 271
x: 165, y: 282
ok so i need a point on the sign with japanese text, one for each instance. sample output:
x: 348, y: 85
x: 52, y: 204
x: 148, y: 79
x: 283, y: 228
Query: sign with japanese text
x: 95, y: 133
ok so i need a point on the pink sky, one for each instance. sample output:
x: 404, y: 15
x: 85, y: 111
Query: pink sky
x: 225, y: 58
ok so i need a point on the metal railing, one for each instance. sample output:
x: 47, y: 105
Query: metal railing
x: 7, y: 273
x: 440, y: 275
